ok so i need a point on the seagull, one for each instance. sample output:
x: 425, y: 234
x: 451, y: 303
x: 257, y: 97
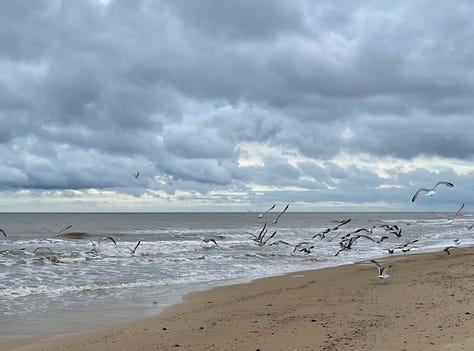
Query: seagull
x: 64, y: 229
x: 260, y: 235
x: 392, y: 229
x: 207, y: 241
x: 261, y: 215
x: 135, y: 248
x: 302, y: 244
x: 42, y: 248
x: 278, y: 242
x: 136, y: 175
x: 327, y: 230
x: 446, y: 249
x: 275, y: 220
x: 58, y: 233
x: 382, y: 273
x: 432, y: 191
x: 404, y: 246
x: 3, y: 232
x: 264, y: 242
x: 108, y: 238
x: 449, y: 219
x: 306, y: 249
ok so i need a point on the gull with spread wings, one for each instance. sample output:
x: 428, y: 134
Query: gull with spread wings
x: 431, y: 191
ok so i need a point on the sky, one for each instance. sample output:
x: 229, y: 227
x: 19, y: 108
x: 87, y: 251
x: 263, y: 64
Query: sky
x: 235, y: 105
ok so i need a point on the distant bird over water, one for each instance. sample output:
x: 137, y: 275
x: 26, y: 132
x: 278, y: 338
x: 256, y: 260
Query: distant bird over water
x: 262, y: 214
x: 136, y: 175
x: 449, y: 219
x: 108, y: 238
x: 431, y: 191
x: 135, y: 248
x: 275, y: 220
x: 3, y: 232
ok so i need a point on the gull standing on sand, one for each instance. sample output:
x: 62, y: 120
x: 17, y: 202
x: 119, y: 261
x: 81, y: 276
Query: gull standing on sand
x: 381, y: 269
x: 432, y: 191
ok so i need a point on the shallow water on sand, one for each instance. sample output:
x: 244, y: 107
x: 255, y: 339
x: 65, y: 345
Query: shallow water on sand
x: 74, y: 283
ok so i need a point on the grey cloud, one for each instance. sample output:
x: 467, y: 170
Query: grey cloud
x: 199, y: 170
x: 87, y: 90
x: 193, y: 142
x: 242, y: 19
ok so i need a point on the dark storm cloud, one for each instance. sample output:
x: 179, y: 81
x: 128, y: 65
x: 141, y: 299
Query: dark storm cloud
x: 90, y: 92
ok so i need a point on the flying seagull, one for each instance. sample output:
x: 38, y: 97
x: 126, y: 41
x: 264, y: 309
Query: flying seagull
x: 108, y: 238
x: 449, y: 219
x: 136, y: 175
x: 42, y: 248
x: 135, y: 248
x: 210, y: 242
x: 59, y: 232
x: 446, y: 249
x: 275, y: 220
x: 262, y: 214
x: 432, y: 191
x: 3, y: 232
x: 382, y: 273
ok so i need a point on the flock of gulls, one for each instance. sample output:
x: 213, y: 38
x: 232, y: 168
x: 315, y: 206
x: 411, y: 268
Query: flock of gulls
x: 347, y: 239
x: 376, y: 234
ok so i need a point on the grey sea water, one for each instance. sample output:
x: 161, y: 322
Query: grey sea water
x: 74, y: 283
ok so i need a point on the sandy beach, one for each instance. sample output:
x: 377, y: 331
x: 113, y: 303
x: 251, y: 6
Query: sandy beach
x: 426, y: 304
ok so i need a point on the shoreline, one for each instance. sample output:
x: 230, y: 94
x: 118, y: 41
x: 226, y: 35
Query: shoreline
x: 424, y: 304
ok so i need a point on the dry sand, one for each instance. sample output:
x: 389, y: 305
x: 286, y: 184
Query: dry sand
x: 426, y: 304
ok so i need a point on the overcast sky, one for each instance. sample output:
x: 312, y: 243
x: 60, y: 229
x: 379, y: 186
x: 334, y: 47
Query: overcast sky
x: 235, y: 105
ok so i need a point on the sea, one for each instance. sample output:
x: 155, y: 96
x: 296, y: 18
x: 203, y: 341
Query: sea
x: 68, y: 272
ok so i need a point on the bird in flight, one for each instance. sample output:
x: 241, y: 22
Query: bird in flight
x: 108, y: 238
x: 381, y: 269
x: 3, y: 232
x: 431, y: 191
x: 446, y: 249
x: 275, y: 220
x: 262, y: 214
x: 449, y: 219
x: 135, y: 248
x: 136, y: 175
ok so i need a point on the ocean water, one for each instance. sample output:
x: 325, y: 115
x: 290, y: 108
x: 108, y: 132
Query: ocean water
x: 69, y: 282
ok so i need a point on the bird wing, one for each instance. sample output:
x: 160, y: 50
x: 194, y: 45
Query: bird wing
x: 379, y: 266
x: 271, y: 208
x: 417, y: 192
x: 108, y: 238
x: 442, y: 182
x: 281, y: 213
x: 64, y: 229
x: 458, y: 211
x: 135, y: 248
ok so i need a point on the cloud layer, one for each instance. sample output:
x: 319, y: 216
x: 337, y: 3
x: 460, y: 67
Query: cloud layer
x: 231, y: 104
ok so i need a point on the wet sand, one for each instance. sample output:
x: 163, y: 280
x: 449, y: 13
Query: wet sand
x: 426, y: 304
